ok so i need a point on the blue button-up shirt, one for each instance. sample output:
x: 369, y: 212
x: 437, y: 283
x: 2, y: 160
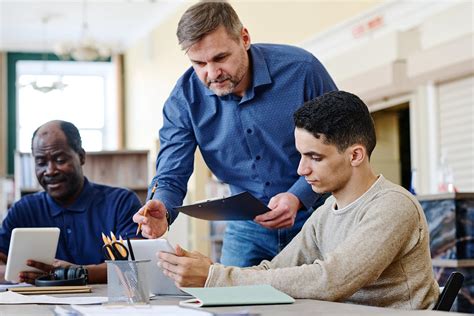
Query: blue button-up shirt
x: 98, y: 209
x: 246, y: 142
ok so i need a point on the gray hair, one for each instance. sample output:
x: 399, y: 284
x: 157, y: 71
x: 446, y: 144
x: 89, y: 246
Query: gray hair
x: 205, y: 17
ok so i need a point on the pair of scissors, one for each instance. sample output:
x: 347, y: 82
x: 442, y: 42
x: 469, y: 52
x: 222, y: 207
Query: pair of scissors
x: 113, y: 249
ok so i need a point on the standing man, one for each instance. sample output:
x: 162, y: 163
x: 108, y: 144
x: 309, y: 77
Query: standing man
x: 81, y: 209
x: 235, y: 103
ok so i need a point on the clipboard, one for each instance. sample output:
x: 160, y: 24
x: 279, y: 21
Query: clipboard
x: 242, y: 206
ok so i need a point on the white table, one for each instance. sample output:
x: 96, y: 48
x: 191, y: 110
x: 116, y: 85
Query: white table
x: 299, y: 308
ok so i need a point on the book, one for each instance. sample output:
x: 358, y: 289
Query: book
x: 235, y: 295
x: 242, y: 206
x: 51, y: 289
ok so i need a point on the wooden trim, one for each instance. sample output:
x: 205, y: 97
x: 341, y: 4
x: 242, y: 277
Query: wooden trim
x: 3, y: 114
x: 119, y: 67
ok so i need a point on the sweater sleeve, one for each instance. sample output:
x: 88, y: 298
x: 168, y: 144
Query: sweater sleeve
x: 388, y: 228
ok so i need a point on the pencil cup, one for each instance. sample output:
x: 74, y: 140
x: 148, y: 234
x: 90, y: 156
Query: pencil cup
x: 127, y: 282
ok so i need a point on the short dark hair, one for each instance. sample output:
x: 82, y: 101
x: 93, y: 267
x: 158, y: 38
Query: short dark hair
x: 341, y: 117
x: 205, y: 17
x: 73, y: 137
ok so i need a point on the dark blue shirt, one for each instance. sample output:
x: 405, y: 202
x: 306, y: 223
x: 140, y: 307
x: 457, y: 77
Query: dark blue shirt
x: 98, y: 209
x: 247, y: 142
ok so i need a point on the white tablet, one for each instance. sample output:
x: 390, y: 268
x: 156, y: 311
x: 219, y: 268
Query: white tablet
x: 37, y: 244
x: 146, y: 249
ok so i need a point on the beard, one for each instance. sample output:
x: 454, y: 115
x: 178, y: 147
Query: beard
x: 222, y: 90
x: 225, y: 84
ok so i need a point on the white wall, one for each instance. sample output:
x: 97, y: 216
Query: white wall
x: 419, y: 47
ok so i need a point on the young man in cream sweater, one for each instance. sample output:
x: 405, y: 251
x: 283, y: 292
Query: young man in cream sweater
x: 368, y: 244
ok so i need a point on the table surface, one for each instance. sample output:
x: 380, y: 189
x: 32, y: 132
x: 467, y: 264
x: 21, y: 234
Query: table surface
x: 300, y: 307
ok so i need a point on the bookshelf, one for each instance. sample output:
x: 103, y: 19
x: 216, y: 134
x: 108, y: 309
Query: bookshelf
x: 120, y: 168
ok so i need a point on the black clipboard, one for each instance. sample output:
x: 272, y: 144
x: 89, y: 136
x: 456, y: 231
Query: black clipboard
x: 242, y: 206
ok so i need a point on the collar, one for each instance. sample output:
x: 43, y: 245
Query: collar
x: 260, y: 74
x: 79, y: 206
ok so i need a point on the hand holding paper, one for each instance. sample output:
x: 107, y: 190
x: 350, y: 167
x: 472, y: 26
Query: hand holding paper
x: 185, y: 268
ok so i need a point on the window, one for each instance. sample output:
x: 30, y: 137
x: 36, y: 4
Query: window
x: 79, y: 92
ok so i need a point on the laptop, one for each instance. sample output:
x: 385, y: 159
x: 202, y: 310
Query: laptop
x: 146, y: 249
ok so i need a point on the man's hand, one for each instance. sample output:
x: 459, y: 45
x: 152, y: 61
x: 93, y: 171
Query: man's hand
x: 187, y: 269
x: 284, y: 207
x: 154, y: 224
x: 30, y: 276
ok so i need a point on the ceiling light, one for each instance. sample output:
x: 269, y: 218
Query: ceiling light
x: 86, y: 49
x: 42, y: 83
x: 56, y: 85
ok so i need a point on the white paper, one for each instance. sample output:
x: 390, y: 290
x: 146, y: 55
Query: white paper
x: 16, y: 298
x: 145, y: 310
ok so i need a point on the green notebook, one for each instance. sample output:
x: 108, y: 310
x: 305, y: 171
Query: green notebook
x: 235, y: 295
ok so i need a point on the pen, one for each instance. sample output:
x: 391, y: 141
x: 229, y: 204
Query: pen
x: 130, y: 249
x: 146, y: 210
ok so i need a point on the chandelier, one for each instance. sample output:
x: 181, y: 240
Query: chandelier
x: 46, y: 83
x: 45, y: 87
x: 86, y: 49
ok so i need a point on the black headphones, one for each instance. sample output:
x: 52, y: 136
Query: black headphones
x: 72, y: 275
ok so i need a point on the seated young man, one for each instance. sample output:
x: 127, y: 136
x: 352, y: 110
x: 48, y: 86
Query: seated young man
x: 81, y: 209
x: 368, y: 244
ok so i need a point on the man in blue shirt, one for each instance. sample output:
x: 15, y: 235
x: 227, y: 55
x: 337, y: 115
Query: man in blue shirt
x: 236, y: 104
x: 81, y: 209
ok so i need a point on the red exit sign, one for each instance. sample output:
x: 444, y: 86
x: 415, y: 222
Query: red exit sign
x: 368, y: 26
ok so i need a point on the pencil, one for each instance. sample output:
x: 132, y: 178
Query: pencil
x: 122, y: 251
x: 146, y: 210
x: 107, y: 242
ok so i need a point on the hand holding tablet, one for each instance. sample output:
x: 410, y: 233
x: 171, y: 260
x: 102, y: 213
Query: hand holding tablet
x: 38, y: 244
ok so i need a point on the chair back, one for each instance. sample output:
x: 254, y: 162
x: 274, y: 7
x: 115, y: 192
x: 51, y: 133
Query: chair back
x: 450, y: 291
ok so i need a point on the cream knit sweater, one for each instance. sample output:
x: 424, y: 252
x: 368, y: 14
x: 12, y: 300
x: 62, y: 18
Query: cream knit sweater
x: 374, y: 251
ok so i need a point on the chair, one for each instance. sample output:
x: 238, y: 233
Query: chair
x: 449, y: 293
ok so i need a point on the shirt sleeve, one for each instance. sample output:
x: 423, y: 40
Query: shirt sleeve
x: 318, y: 81
x: 175, y: 161
x: 382, y: 234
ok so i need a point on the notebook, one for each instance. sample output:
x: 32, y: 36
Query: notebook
x: 235, y: 295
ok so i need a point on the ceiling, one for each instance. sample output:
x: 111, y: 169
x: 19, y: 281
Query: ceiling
x: 117, y: 23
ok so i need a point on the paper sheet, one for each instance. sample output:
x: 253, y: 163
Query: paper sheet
x: 146, y: 310
x: 15, y: 298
